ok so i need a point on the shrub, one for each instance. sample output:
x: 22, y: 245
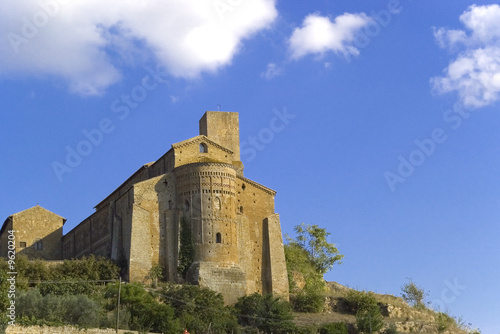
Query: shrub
x: 306, y: 330
x: 443, y: 321
x: 369, y: 320
x: 356, y: 301
x: 88, y: 268
x: 305, y: 301
x: 51, y: 309
x: 267, y: 313
x: 333, y: 328
x: 391, y: 329
x: 146, y: 314
x: 199, y: 308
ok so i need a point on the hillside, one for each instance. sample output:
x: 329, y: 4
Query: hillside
x: 395, y: 310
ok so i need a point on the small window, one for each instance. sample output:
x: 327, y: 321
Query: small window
x: 170, y: 205
x: 203, y: 148
x: 218, y: 238
x: 243, y: 186
x: 22, y: 244
x: 186, y: 205
x: 241, y: 209
x: 38, y: 245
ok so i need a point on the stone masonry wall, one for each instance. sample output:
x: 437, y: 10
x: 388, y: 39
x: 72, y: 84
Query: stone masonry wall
x: 38, y: 225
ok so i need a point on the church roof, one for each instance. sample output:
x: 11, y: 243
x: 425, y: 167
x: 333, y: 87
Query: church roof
x: 36, y: 207
x: 199, y: 139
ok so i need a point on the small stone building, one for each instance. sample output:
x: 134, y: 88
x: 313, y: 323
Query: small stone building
x: 235, y: 232
x: 37, y: 232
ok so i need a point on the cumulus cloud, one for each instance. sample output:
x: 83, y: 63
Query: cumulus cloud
x: 319, y: 35
x: 272, y: 70
x: 86, y: 42
x: 474, y: 73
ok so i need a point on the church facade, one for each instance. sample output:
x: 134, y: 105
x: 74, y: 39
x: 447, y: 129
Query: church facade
x: 199, y: 185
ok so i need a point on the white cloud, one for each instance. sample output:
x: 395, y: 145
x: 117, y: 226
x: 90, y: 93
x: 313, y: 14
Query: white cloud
x: 474, y: 73
x: 319, y: 35
x: 272, y: 70
x: 78, y: 40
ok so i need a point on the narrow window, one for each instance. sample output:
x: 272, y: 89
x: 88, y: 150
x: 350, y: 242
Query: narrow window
x: 218, y: 238
x: 170, y: 205
x: 38, y: 245
x: 241, y: 209
x: 203, y: 148
x: 186, y: 205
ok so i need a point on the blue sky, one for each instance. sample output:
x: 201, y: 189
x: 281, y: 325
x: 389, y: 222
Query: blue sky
x: 375, y: 119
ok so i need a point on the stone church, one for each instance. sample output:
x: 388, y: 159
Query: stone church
x: 199, y: 182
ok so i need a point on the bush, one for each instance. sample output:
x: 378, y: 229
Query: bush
x: 146, y: 314
x: 305, y: 301
x: 51, y: 309
x: 444, y: 321
x: 369, y: 320
x: 267, y: 313
x: 391, y: 329
x: 356, y: 301
x: 333, y: 328
x: 88, y: 268
x: 199, y: 308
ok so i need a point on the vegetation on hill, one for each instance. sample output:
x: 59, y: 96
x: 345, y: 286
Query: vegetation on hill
x: 309, y: 256
x: 85, y: 293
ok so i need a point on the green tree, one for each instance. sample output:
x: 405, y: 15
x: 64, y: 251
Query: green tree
x: 311, y: 255
x: 146, y: 313
x: 187, y: 251
x: 313, y: 239
x: 267, y: 313
x: 413, y: 294
x: 369, y: 320
x: 199, y: 308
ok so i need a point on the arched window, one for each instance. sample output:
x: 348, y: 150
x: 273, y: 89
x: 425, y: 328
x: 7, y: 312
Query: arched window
x: 218, y: 238
x: 203, y: 148
x: 217, y: 203
x: 241, y: 209
x: 186, y: 205
x: 38, y: 245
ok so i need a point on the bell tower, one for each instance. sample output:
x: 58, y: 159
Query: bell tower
x: 223, y: 128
